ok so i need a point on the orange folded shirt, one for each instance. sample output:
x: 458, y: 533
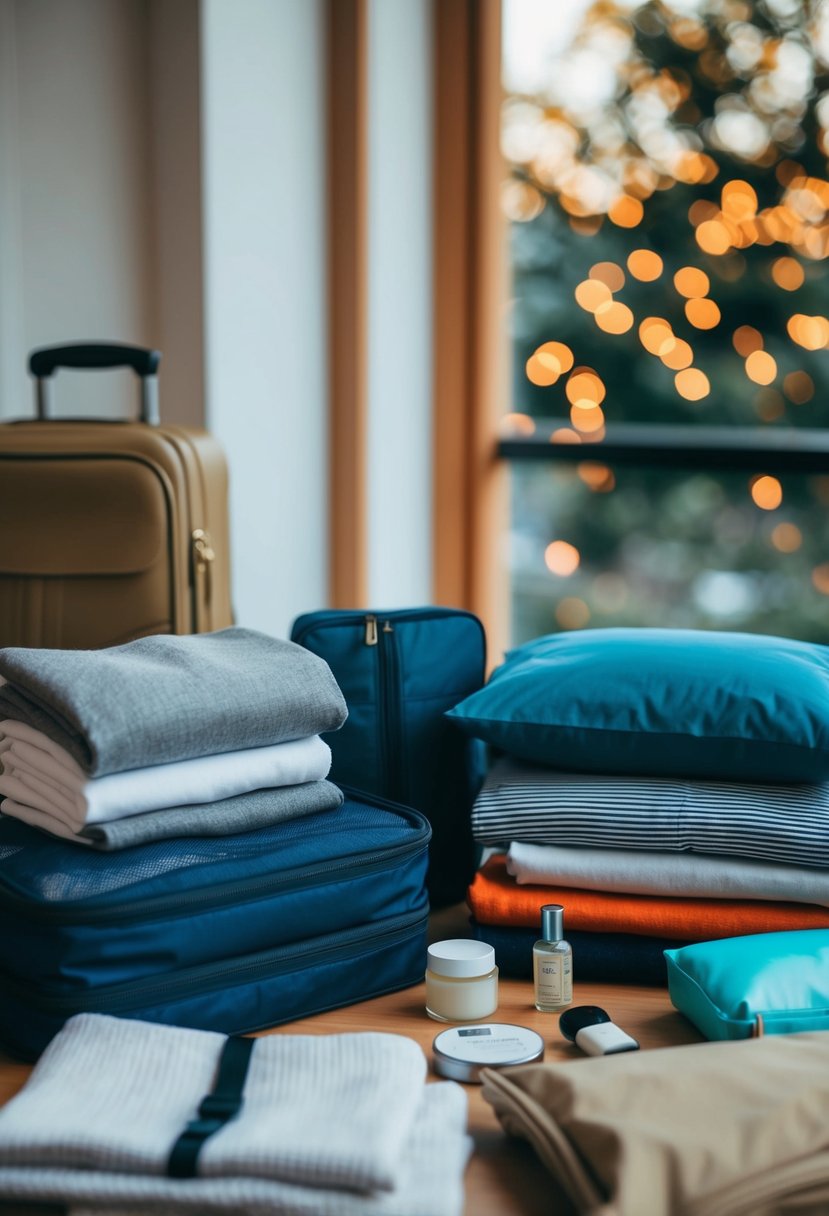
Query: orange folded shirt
x: 495, y: 898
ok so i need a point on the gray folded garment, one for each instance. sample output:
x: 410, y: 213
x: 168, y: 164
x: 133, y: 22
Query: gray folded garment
x: 163, y: 698
x: 244, y: 813
x: 334, y: 1124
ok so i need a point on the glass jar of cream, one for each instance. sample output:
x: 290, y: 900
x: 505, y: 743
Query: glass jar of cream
x: 461, y: 981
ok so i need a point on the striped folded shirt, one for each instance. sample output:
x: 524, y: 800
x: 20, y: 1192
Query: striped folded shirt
x: 538, y: 805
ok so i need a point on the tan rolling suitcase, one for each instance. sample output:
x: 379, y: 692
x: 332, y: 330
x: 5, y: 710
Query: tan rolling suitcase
x: 109, y: 530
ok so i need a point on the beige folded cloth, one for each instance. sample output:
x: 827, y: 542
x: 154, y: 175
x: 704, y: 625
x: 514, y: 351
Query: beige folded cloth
x: 717, y: 1129
x: 37, y: 773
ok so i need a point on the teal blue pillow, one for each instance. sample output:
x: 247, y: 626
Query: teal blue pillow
x: 660, y: 702
x: 780, y: 978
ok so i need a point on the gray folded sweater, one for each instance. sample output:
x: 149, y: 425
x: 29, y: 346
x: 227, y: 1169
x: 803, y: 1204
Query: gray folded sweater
x: 163, y: 698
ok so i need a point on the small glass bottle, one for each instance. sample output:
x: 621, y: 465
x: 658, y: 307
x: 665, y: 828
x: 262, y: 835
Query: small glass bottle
x: 552, y: 963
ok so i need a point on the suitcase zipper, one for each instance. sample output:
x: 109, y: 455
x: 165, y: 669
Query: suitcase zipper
x: 390, y: 724
x: 204, y: 556
x: 196, y: 981
x: 265, y: 884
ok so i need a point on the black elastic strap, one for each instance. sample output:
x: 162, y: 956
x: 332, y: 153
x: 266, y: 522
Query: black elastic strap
x: 222, y: 1104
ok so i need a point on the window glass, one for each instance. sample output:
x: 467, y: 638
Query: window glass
x: 668, y: 205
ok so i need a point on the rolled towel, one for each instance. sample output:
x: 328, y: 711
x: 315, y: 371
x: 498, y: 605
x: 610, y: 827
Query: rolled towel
x: 161, y: 699
x: 39, y: 774
x: 228, y: 816
x: 647, y: 873
x: 323, y: 1115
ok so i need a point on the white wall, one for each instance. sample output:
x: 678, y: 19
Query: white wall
x: 77, y: 240
x: 162, y: 182
x: 264, y: 262
x: 400, y: 316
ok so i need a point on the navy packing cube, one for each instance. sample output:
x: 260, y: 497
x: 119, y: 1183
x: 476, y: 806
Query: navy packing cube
x: 399, y: 672
x: 228, y: 933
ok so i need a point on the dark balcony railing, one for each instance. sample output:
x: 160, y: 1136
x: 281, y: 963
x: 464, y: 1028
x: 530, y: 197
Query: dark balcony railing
x: 774, y: 450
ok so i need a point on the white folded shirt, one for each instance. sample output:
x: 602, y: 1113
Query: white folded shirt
x: 39, y: 774
x: 322, y: 1115
x: 681, y: 874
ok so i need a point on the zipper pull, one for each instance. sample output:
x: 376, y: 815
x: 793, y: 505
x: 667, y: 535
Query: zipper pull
x: 388, y: 627
x: 203, y: 559
x: 371, y: 631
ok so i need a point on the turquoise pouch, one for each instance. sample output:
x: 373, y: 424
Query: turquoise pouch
x: 766, y: 983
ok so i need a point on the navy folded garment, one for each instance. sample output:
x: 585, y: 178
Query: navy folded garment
x: 615, y: 957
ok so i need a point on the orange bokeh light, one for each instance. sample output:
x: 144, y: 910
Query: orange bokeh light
x: 703, y: 314
x: 692, y: 282
x: 766, y: 492
x: 615, y: 319
x: 738, y: 201
x: 645, y: 265
x: 761, y: 367
x: 558, y: 351
x: 799, y: 387
x: 562, y: 558
x: 608, y: 273
x: 541, y: 372
x: 787, y: 538
x: 598, y: 477
x: 585, y: 385
x: 656, y: 336
x: 713, y: 237
x: 626, y: 212
x: 592, y: 294
x: 586, y: 417
x: 747, y: 339
x: 812, y: 333
x: 692, y: 384
x: 820, y: 578
x: 788, y: 274
x: 702, y: 210
x: 681, y: 356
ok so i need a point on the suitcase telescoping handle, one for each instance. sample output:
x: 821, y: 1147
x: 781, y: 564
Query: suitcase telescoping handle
x: 43, y: 363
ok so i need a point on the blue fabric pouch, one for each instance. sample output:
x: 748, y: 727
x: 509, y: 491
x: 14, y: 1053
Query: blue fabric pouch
x: 399, y: 672
x: 227, y: 933
x: 766, y: 983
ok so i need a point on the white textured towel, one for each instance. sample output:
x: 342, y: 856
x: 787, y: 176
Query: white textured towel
x: 681, y: 874
x: 429, y: 1180
x: 38, y: 773
x: 110, y: 1096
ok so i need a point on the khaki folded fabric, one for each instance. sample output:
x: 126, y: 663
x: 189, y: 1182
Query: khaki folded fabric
x: 719, y: 1129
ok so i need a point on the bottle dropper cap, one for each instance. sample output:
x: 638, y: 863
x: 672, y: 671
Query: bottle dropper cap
x: 552, y: 922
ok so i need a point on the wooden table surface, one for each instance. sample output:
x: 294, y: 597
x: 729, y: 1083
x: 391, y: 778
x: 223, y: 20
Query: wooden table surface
x: 503, y: 1178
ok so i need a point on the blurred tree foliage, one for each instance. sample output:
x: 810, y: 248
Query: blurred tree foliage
x: 672, y: 138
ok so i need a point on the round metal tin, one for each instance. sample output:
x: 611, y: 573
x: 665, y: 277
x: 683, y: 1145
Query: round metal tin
x: 461, y: 1052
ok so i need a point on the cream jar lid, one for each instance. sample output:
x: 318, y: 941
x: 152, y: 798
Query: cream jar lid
x: 461, y: 1053
x: 460, y: 958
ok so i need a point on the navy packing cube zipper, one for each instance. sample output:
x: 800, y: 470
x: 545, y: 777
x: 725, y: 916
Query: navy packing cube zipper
x: 399, y: 672
x: 232, y: 933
